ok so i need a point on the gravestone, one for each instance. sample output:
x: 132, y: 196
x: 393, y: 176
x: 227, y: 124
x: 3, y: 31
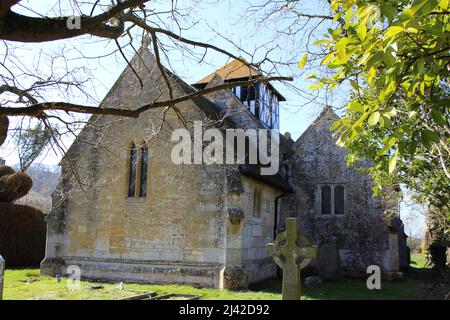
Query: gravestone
x: 329, y: 262
x: 291, y: 252
x: 2, y: 275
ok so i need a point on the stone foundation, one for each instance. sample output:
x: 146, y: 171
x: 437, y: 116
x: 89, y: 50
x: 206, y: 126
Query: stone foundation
x: 150, y: 272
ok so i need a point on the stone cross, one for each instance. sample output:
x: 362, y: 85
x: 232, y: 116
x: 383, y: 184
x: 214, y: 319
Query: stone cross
x: 2, y: 274
x: 291, y: 256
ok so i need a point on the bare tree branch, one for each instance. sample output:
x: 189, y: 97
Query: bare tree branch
x: 38, y: 109
x: 17, y: 27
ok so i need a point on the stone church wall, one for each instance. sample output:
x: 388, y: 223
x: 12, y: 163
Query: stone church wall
x: 174, y: 233
x: 360, y: 235
x: 258, y: 230
x: 180, y: 232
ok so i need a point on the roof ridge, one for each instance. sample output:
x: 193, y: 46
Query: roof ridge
x: 327, y: 112
x: 234, y: 69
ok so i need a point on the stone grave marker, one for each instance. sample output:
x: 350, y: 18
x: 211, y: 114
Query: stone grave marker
x: 329, y: 262
x: 292, y: 252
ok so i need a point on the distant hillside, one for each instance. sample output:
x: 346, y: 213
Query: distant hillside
x: 45, y: 179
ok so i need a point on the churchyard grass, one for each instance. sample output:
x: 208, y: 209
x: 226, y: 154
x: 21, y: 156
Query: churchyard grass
x: 28, y: 284
x: 19, y: 285
x: 419, y: 261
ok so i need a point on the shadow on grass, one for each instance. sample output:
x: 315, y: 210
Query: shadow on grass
x: 415, y: 285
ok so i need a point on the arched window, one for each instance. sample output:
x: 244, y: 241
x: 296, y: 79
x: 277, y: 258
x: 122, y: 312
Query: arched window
x: 339, y: 200
x: 132, y: 171
x: 256, y: 203
x: 137, y: 171
x: 325, y: 197
x: 143, y: 175
x: 332, y: 199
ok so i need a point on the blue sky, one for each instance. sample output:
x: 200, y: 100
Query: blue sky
x: 222, y: 23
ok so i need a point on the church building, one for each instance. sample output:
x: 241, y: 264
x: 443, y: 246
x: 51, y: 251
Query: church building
x: 123, y: 211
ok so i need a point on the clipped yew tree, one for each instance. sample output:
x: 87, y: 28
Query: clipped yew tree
x: 22, y: 228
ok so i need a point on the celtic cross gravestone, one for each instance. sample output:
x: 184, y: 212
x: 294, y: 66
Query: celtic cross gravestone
x: 292, y: 252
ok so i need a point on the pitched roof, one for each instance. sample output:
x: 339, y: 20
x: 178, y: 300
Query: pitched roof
x: 326, y: 115
x: 234, y: 70
x: 210, y: 109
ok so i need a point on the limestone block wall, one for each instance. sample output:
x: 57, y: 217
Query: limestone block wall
x: 258, y: 230
x: 174, y: 234
x: 180, y: 219
x: 188, y: 227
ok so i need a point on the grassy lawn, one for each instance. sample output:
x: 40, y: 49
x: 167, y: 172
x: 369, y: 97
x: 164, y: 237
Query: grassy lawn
x: 18, y: 288
x: 418, y: 260
x: 23, y: 284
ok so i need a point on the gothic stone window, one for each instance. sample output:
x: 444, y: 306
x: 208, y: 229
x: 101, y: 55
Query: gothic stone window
x: 325, y: 197
x: 137, y: 171
x: 257, y: 203
x: 338, y: 200
x: 332, y: 199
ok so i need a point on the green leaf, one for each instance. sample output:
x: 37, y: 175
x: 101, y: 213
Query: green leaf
x: 388, y: 56
x: 371, y: 75
x: 388, y: 10
x: 362, y: 30
x: 385, y: 121
x: 374, y: 118
x: 391, y: 113
x: 393, y: 31
x: 428, y: 137
x: 420, y: 65
x: 412, y: 114
x: 328, y: 57
x: 335, y: 125
x: 438, y: 117
x: 354, y: 84
x: 302, y: 62
x: 412, y: 30
x: 355, y: 106
x: 319, y: 42
x: 387, y: 145
x: 444, y: 4
x: 316, y: 85
x: 374, y: 60
x: 393, y: 162
x: 424, y: 7
x: 422, y: 87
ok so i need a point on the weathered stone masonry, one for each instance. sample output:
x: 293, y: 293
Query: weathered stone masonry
x: 200, y: 224
x: 192, y: 227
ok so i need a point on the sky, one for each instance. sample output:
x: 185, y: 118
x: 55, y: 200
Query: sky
x: 222, y: 23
